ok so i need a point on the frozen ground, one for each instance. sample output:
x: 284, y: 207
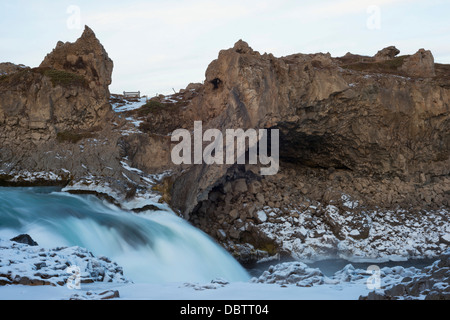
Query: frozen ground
x: 178, y: 291
x: 284, y: 281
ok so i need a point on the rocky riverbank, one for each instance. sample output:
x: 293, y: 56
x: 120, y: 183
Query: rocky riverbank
x: 31, y: 265
x: 433, y: 283
x: 25, y: 263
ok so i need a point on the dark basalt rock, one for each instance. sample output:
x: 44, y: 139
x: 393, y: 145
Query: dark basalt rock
x: 25, y: 239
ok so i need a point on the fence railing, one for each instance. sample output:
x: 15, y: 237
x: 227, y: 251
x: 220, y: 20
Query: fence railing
x: 132, y: 94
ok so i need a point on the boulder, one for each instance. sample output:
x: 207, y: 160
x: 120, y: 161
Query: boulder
x: 25, y: 239
x: 387, y: 53
x: 433, y: 284
x: 420, y: 65
x: 240, y: 186
x: 234, y: 214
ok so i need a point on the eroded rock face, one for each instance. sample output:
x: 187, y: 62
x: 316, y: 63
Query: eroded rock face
x: 244, y: 89
x: 330, y: 114
x: 44, y: 111
x: 85, y: 57
x: 69, y: 91
x: 358, y: 127
x: 420, y: 64
x: 387, y: 53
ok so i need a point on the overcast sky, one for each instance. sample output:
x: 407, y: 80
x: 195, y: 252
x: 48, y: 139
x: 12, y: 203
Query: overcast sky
x: 160, y: 45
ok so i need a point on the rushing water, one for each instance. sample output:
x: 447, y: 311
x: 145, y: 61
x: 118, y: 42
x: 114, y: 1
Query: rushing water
x: 151, y: 247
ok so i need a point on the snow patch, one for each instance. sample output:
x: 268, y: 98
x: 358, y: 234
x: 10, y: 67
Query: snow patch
x: 129, y: 105
x: 262, y: 216
x: 34, y: 176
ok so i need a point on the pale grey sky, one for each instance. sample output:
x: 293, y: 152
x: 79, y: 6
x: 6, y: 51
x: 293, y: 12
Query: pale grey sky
x: 160, y: 45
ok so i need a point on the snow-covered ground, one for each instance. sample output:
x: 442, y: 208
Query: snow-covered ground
x: 129, y: 105
x: 347, y: 284
x: 178, y: 291
x: 285, y: 281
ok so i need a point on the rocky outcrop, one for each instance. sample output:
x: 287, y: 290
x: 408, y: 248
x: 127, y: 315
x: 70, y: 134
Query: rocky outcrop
x: 68, y: 92
x: 292, y: 273
x: 85, y: 57
x: 330, y: 114
x: 8, y: 68
x: 388, y: 53
x: 21, y: 264
x: 244, y: 89
x: 56, y: 123
x: 420, y: 64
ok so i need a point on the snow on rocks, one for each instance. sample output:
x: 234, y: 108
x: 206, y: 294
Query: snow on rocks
x: 262, y: 216
x: 130, y: 131
x: 33, y: 177
x: 292, y: 273
x: 21, y: 264
x: 446, y: 238
x: 142, y: 197
x: 90, y: 295
x: 90, y: 184
x: 215, y: 284
x: 299, y: 274
x: 245, y: 253
x: 329, y: 232
x: 348, y: 202
x: 389, y: 275
x: 433, y: 283
x: 122, y: 105
x: 136, y: 123
x: 149, y: 179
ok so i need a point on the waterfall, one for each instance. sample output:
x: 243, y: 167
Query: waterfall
x: 152, y: 247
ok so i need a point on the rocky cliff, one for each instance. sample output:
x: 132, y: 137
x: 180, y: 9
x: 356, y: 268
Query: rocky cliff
x: 361, y: 138
x: 364, y: 146
x: 55, y: 120
x: 68, y: 91
x: 354, y: 115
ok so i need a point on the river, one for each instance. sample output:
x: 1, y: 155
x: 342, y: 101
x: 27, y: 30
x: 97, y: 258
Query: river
x: 152, y: 247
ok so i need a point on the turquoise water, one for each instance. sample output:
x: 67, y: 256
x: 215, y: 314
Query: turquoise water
x: 152, y: 247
